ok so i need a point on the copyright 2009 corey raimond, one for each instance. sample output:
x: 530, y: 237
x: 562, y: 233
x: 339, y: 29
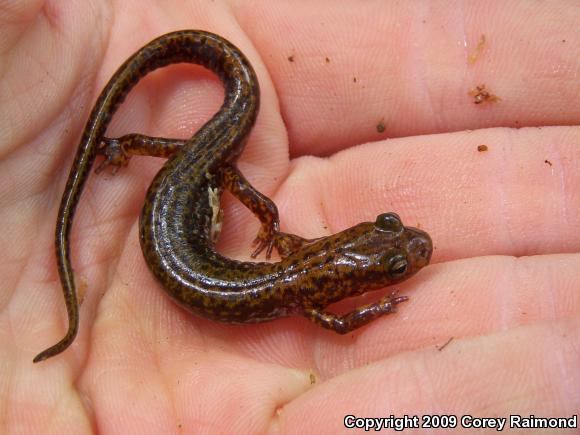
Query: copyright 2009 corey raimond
x: 450, y: 421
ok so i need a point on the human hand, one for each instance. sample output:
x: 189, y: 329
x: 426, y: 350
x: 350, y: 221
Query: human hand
x: 505, y: 279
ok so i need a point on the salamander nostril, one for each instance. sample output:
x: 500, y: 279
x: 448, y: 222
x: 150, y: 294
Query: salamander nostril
x: 421, y: 247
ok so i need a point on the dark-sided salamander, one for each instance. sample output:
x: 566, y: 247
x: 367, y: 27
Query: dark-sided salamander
x: 180, y: 220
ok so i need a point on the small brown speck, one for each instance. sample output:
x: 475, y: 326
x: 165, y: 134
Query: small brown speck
x: 312, y: 379
x: 481, y: 95
x: 548, y: 162
x: 354, y: 79
x: 482, y: 148
x: 381, y: 126
x: 327, y: 60
x: 563, y: 40
x: 291, y: 58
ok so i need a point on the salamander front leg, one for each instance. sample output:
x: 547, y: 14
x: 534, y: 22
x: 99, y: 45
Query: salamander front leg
x: 356, y: 318
x: 266, y: 211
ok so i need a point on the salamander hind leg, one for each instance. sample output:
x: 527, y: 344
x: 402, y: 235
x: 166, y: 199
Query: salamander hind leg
x: 356, y: 318
x: 118, y: 151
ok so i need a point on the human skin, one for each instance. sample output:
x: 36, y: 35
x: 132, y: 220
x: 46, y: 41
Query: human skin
x: 504, y: 284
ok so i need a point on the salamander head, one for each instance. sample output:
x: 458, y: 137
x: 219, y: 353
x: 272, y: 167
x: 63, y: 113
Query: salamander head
x: 381, y: 253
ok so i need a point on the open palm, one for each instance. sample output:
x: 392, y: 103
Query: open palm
x: 505, y: 283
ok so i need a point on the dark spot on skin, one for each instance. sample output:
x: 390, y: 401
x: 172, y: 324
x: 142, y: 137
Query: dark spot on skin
x: 381, y: 126
x: 481, y: 95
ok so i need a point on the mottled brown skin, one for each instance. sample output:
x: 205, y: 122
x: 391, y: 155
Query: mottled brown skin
x: 180, y: 218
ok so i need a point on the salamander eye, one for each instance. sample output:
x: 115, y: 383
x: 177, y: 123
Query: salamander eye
x: 389, y: 222
x: 398, y: 266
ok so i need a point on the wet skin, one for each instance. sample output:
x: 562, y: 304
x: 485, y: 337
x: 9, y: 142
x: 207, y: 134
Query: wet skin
x: 181, y: 216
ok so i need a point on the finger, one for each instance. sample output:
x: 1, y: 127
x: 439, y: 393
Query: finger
x: 340, y: 72
x: 458, y: 300
x: 14, y: 19
x: 510, y: 372
x: 517, y: 198
x: 44, y: 62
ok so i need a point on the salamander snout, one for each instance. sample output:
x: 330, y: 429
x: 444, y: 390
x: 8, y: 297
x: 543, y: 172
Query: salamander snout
x: 419, y: 248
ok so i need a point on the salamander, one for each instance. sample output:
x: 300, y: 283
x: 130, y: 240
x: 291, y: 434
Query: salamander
x: 181, y: 217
